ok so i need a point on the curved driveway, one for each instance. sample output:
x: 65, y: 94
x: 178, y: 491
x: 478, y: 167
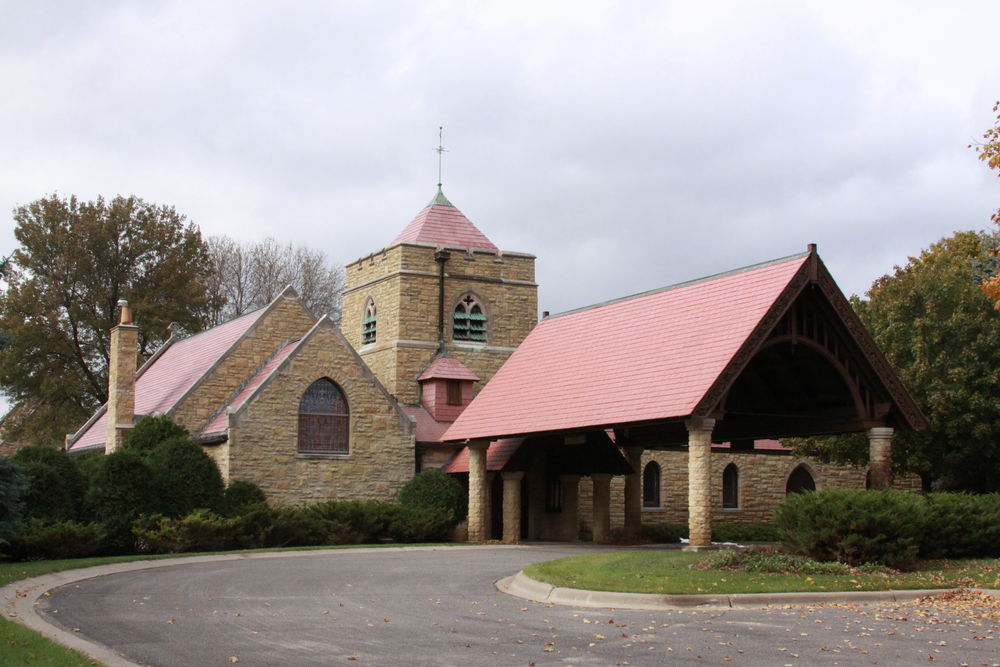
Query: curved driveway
x: 440, y: 607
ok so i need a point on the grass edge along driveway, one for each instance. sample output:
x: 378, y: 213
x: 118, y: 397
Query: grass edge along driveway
x: 670, y: 573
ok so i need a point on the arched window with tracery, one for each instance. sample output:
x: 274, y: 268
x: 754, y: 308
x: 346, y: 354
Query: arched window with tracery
x: 731, y: 487
x: 368, y: 324
x: 800, y: 480
x: 324, y: 419
x: 651, y: 485
x: 469, y: 320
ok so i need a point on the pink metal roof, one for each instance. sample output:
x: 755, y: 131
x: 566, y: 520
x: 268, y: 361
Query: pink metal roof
x: 428, y: 429
x: 497, y: 456
x: 647, y: 357
x: 173, y: 372
x: 447, y: 368
x: 219, y: 423
x: 440, y: 223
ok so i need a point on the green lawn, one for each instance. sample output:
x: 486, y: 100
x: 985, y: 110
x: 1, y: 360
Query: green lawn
x: 669, y: 572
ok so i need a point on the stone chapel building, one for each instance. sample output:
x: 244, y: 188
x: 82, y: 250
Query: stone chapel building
x: 585, y: 428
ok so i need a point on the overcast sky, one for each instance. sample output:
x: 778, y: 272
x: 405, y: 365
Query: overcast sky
x: 628, y: 145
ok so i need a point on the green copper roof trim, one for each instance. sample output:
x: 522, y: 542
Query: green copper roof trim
x: 440, y: 199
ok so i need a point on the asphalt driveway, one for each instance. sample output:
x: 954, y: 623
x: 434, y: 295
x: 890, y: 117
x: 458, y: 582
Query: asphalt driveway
x: 440, y: 607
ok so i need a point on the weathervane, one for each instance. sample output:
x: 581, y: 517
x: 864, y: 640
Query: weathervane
x: 440, y: 149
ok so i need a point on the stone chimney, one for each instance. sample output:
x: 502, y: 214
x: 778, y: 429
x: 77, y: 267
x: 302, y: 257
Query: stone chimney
x: 121, y: 379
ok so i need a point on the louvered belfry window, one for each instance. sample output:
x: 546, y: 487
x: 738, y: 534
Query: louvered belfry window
x: 368, y: 328
x: 469, y: 320
x: 324, y: 419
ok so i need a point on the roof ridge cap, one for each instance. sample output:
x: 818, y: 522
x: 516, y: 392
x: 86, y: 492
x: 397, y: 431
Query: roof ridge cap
x: 686, y: 283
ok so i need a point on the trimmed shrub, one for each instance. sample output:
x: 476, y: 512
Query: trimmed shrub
x: 42, y: 539
x: 122, y: 488
x: 186, y: 478
x: 150, y: 432
x: 664, y: 533
x: 433, y: 488
x: 852, y: 526
x: 420, y: 524
x: 367, y: 521
x: 13, y: 485
x: 56, y: 486
x: 296, y: 527
x: 959, y: 525
x: 240, y: 496
x: 200, y: 530
x: 769, y: 560
x: 745, y: 532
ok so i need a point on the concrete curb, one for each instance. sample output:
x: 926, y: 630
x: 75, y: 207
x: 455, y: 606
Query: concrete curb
x: 20, y: 598
x: 522, y: 586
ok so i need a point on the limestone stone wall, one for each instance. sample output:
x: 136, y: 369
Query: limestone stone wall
x: 403, y: 282
x: 263, y: 438
x: 762, y: 480
x: 286, y: 320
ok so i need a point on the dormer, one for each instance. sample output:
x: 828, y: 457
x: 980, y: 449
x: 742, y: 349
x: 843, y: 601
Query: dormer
x: 446, y: 388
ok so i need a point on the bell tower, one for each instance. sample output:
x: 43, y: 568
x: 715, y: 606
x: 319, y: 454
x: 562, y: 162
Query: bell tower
x: 440, y: 288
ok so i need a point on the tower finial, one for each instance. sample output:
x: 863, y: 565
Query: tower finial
x: 440, y: 150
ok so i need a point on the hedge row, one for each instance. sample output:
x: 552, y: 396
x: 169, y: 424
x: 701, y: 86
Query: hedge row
x: 892, y: 528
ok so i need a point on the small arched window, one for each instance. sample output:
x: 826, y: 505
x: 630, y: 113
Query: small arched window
x: 324, y: 419
x: 469, y: 320
x: 731, y: 487
x: 800, y: 480
x: 368, y: 324
x: 651, y: 485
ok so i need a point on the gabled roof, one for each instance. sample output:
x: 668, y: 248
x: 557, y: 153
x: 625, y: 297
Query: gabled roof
x: 647, y: 357
x: 173, y: 372
x: 497, y: 456
x: 447, y: 368
x: 442, y: 224
x: 219, y: 423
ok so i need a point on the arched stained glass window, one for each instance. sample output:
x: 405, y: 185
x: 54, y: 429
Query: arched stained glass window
x: 731, y: 487
x: 324, y: 419
x: 469, y: 320
x: 368, y: 324
x: 651, y: 485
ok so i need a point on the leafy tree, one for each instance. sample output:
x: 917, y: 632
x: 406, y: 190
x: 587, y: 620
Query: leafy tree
x: 989, y: 152
x: 941, y: 333
x: 75, y: 261
x: 246, y: 276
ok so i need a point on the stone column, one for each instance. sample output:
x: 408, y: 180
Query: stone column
x: 121, y: 380
x: 699, y: 482
x: 880, y: 456
x: 512, y: 506
x: 601, y: 521
x: 570, y: 485
x: 479, y: 491
x: 633, y: 493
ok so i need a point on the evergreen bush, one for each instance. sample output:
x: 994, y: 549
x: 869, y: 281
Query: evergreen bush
x: 853, y: 526
x: 745, y: 532
x: 433, y: 488
x: 186, y: 478
x: 149, y: 432
x: 663, y: 533
x: 13, y: 485
x: 240, y: 496
x: 960, y: 525
x: 43, y: 539
x: 121, y: 489
x: 420, y: 524
x: 56, y: 485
